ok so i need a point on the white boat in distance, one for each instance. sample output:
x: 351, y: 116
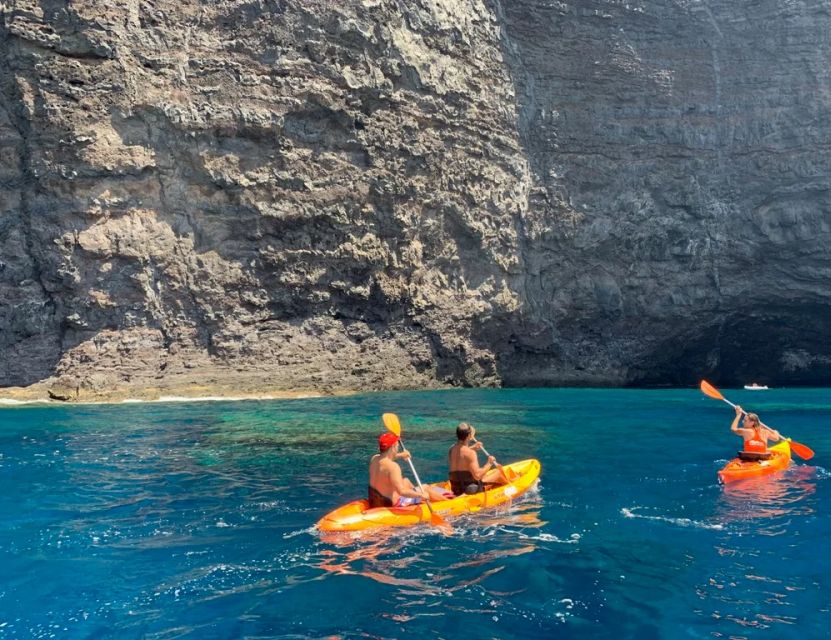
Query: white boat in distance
x: 756, y: 387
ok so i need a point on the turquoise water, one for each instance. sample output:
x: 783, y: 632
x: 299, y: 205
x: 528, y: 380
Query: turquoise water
x: 194, y: 521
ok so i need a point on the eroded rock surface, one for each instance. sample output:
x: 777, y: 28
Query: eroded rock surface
x: 681, y: 206
x: 301, y: 194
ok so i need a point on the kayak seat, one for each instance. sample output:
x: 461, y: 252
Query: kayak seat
x: 754, y: 456
x: 473, y: 489
x: 463, y: 483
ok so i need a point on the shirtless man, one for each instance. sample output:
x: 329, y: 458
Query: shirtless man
x: 466, y: 476
x: 755, y: 436
x: 387, y: 485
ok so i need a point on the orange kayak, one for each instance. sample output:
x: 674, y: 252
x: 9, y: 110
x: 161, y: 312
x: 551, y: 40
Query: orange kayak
x: 738, y: 469
x: 356, y: 515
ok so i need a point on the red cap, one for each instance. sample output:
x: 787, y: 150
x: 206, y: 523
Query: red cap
x: 386, y: 440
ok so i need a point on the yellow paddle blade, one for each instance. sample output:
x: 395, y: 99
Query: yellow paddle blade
x: 391, y: 423
x: 711, y: 391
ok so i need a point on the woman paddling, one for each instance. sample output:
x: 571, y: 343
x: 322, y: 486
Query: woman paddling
x: 754, y: 434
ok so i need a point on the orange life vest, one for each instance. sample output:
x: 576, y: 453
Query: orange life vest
x: 756, y: 444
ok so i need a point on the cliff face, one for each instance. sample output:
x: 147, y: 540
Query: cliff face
x: 689, y: 140
x: 304, y: 194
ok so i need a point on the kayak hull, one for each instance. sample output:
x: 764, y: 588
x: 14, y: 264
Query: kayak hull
x: 738, y: 469
x: 357, y: 516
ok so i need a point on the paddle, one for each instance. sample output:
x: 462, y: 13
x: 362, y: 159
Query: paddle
x: 393, y: 425
x: 505, y: 472
x: 804, y: 452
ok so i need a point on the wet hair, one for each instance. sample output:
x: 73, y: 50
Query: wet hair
x: 462, y: 431
x: 753, y: 418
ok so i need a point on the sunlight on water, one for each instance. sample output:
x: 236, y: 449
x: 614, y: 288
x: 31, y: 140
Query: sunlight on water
x: 197, y: 520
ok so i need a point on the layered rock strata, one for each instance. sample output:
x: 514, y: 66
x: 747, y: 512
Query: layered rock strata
x: 291, y: 194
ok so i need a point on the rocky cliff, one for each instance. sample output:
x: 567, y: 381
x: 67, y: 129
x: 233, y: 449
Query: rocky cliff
x: 302, y: 194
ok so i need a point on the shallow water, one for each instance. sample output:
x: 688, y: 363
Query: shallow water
x: 195, y: 521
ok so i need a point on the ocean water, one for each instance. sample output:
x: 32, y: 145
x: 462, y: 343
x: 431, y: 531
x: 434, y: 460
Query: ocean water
x: 196, y: 521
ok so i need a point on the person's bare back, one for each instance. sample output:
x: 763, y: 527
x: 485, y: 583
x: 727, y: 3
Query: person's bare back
x: 385, y: 476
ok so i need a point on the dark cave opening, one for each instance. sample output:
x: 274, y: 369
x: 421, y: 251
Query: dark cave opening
x: 781, y: 346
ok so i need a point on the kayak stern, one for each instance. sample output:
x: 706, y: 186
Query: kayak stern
x: 738, y: 469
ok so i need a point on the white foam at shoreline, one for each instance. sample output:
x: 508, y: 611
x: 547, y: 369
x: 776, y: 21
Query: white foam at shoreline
x: 225, y: 398
x: 9, y: 402
x: 207, y: 399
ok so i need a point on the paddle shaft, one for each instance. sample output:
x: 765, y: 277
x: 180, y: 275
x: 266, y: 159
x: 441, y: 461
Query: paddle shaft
x: 714, y: 393
x: 496, y: 464
x: 803, y: 451
x: 485, y: 451
x: 393, y: 425
x: 745, y: 413
x: 418, y: 482
x: 412, y: 467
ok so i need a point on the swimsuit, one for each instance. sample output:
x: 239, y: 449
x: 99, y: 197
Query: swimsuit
x: 464, y: 482
x: 756, y: 444
x: 377, y: 499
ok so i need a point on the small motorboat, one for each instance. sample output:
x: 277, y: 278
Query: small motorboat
x: 756, y: 387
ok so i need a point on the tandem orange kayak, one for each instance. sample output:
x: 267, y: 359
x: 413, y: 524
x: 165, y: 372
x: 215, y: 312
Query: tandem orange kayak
x: 738, y: 469
x: 356, y: 515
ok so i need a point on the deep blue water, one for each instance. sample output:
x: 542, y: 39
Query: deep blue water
x: 194, y: 521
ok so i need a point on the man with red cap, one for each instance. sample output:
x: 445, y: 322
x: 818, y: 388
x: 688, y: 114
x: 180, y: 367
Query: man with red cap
x: 387, y: 485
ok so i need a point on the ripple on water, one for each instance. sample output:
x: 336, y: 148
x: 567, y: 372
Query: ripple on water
x: 461, y: 572
x: 192, y: 521
x: 635, y: 512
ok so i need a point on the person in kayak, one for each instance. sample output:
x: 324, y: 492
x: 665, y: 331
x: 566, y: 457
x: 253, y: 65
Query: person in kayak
x: 466, y: 476
x: 387, y: 485
x: 755, y: 436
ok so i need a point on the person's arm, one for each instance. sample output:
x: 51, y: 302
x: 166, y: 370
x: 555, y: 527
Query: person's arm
x: 773, y: 434
x: 735, y: 426
x: 473, y: 464
x: 397, y: 481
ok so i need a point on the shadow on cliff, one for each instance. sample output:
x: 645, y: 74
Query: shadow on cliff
x: 624, y: 125
x: 771, y: 345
